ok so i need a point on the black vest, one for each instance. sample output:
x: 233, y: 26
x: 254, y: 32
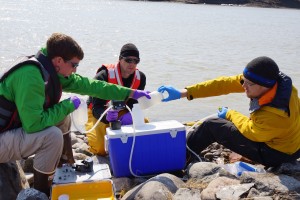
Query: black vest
x: 9, y: 117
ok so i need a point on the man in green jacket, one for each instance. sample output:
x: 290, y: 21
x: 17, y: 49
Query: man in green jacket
x: 271, y: 135
x: 33, y: 120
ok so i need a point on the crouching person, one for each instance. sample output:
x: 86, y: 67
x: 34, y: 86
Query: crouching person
x: 33, y: 119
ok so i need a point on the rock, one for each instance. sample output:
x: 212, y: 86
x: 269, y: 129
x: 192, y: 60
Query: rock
x: 12, y: 180
x: 234, y: 157
x: 269, y: 183
x: 82, y: 148
x: 31, y: 194
x: 292, y: 169
x: 80, y: 156
x: 262, y: 198
x: 201, y: 170
x: 162, y: 187
x: 233, y: 192
x: 253, y: 193
x: 205, y: 172
x: 124, y: 184
x: 187, y: 193
x: 74, y: 138
x: 215, y: 185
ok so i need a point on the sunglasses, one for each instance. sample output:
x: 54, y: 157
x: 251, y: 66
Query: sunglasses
x: 131, y: 60
x: 74, y: 65
x: 247, y: 83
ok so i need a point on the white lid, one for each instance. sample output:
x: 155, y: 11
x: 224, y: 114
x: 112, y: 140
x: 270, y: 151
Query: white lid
x: 148, y: 128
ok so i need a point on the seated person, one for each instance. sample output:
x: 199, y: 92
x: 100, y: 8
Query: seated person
x: 270, y: 135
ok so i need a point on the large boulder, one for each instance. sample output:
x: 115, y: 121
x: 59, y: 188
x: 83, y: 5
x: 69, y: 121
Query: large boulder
x: 162, y: 187
x: 12, y: 180
x: 31, y: 194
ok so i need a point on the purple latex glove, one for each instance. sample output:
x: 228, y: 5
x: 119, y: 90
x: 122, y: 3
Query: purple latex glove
x: 112, y: 115
x: 126, y: 119
x: 76, y: 101
x: 141, y: 93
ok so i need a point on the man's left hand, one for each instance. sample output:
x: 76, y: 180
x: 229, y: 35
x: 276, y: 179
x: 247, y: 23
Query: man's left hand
x: 222, y: 112
x: 126, y: 119
x: 140, y: 93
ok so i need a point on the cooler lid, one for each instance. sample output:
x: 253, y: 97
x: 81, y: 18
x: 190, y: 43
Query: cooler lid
x: 170, y: 126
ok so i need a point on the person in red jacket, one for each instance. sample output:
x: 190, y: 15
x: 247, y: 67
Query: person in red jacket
x: 124, y: 73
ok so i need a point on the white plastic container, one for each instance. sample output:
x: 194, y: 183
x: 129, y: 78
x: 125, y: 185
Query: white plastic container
x: 80, y: 114
x: 137, y: 115
x: 156, y: 98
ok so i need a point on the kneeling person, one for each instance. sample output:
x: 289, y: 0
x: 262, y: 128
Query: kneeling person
x: 124, y: 73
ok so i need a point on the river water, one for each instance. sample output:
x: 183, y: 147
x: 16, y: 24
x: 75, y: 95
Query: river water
x: 180, y: 44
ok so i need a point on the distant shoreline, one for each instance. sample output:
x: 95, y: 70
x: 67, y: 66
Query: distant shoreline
x: 295, y: 4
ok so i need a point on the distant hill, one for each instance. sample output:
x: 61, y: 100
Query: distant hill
x: 255, y: 3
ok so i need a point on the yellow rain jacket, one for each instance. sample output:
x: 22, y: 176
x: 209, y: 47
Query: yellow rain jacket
x: 277, y: 128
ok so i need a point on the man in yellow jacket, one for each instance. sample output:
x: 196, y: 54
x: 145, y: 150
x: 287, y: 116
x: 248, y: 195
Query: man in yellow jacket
x: 271, y: 135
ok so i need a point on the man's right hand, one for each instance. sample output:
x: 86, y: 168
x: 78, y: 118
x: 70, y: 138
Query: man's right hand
x: 173, y: 93
x: 112, y: 115
x: 76, y: 101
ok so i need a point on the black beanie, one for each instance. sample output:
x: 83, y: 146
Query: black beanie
x: 262, y: 71
x: 129, y: 49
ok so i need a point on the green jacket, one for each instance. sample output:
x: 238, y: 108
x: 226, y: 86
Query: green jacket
x: 25, y: 87
x: 270, y: 125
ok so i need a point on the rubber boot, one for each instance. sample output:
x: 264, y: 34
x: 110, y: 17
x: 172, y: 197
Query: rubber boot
x: 67, y: 154
x: 41, y: 182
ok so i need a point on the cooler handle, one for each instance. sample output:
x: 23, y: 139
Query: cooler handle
x: 173, y: 133
x: 124, y: 138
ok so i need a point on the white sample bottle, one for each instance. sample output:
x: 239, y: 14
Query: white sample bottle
x: 137, y: 115
x: 80, y: 114
x: 156, y: 98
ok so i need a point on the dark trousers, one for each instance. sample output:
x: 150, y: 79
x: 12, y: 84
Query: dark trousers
x: 224, y: 132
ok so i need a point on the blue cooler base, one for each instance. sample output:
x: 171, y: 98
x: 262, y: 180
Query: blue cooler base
x: 152, y: 153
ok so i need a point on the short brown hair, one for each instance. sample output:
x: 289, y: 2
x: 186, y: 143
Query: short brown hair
x: 64, y: 46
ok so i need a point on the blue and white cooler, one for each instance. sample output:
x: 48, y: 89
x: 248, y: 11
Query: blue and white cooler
x: 153, y: 148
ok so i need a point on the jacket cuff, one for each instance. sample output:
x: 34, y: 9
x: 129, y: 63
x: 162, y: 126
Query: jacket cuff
x: 189, y: 95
